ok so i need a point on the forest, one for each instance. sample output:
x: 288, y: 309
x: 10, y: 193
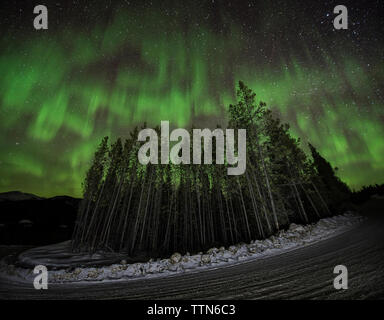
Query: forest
x: 160, y: 209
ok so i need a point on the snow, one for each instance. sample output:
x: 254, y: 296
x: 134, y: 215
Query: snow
x: 60, y: 256
x: 284, y: 240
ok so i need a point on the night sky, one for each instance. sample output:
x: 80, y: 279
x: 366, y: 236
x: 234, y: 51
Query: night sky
x: 102, y: 68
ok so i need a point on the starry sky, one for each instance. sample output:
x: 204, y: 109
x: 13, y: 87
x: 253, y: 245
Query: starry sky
x: 103, y: 67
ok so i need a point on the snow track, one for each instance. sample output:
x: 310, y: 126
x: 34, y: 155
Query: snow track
x: 305, y: 272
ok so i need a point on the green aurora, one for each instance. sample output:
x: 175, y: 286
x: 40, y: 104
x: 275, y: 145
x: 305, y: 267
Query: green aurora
x: 63, y: 89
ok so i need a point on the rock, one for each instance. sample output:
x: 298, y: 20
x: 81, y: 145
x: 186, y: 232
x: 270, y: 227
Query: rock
x: 132, y: 270
x: 242, y: 252
x: 123, y: 261
x: 153, y: 268
x: 212, y: 250
x: 77, y: 271
x: 296, y: 228
x: 115, y: 269
x: 94, y: 273
x: 189, y: 265
x: 214, y: 259
x: 174, y: 268
x: 205, y: 258
x: 233, y: 249
x: 175, y: 258
x: 253, y: 250
x: 292, y: 226
x: 227, y: 254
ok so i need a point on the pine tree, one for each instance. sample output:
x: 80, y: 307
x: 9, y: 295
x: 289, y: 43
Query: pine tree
x: 91, y: 190
x: 337, y: 191
x: 158, y: 209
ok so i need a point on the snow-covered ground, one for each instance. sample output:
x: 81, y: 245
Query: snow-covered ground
x: 295, y: 236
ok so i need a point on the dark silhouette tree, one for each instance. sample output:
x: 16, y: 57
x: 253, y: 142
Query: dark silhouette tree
x: 336, y: 190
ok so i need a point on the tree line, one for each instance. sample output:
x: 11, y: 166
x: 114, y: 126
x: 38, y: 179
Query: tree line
x: 159, y: 209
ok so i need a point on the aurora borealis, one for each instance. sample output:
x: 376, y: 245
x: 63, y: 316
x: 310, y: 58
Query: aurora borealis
x: 101, y: 69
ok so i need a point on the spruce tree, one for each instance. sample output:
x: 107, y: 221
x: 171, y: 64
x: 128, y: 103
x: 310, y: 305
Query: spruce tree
x: 159, y: 209
x: 337, y: 191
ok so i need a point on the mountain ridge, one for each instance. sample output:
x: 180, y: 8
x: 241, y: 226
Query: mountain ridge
x: 16, y: 195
